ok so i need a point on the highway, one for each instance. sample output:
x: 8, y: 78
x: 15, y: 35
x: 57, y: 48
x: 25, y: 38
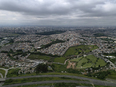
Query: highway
x: 94, y: 81
x: 59, y: 81
x: 47, y: 82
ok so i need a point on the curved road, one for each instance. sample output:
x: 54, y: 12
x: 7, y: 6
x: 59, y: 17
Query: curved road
x: 6, y: 71
x: 47, y: 82
x: 57, y: 81
x: 94, y: 81
x: 1, y: 75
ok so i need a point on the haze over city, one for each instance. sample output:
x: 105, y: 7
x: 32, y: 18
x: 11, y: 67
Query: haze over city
x: 57, y: 43
x: 58, y: 12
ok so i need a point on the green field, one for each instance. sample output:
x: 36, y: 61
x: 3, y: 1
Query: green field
x: 79, y: 64
x: 92, y: 58
x: 76, y: 59
x: 35, y: 56
x: 87, y: 65
x: 2, y: 72
x: 88, y: 61
x: 13, y: 72
x: 112, y: 75
x: 48, y: 58
x: 60, y: 59
x: 75, y: 50
x: 100, y: 62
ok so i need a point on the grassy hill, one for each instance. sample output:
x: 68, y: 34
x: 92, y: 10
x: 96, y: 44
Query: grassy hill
x: 75, y: 50
x: 88, y: 61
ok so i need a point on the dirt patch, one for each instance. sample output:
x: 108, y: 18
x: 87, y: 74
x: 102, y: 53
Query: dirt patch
x: 71, y: 65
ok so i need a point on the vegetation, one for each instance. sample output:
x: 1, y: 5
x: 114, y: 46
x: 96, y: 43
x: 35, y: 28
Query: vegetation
x: 41, y: 68
x: 88, y: 61
x: 59, y: 67
x: 63, y: 85
x: 112, y: 75
x: 2, y: 72
x: 75, y: 50
x: 51, y: 32
x: 53, y: 42
x: 48, y: 57
x: 13, y: 73
x: 110, y: 54
x: 99, y: 34
x: 24, y: 80
x: 107, y: 39
x: 21, y: 33
x: 100, y: 75
x: 23, y: 41
x: 60, y: 59
x: 100, y: 62
x: 11, y: 41
x: 37, y: 56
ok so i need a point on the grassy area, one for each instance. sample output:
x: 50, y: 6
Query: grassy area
x: 92, y: 58
x: 112, y: 75
x: 35, y: 56
x: 48, y: 58
x: 59, y: 68
x: 3, y: 67
x: 100, y: 62
x: 63, y: 85
x: 53, y: 42
x: 87, y: 65
x: 60, y: 59
x: 51, y: 32
x: 79, y: 64
x: 75, y: 50
x: 2, y: 72
x: 13, y: 72
x: 76, y: 59
x: 88, y: 61
x: 35, y: 79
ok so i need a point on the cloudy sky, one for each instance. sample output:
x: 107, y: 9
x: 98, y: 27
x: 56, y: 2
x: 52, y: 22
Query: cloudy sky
x: 58, y: 12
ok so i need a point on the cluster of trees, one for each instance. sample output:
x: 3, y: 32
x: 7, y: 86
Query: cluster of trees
x: 13, y: 72
x: 53, y: 42
x: 41, y: 68
x: 100, y: 75
x: 51, y: 32
x: 110, y: 54
x: 23, y: 41
x: 11, y: 41
x: 74, y: 71
x: 99, y: 34
x: 39, y: 53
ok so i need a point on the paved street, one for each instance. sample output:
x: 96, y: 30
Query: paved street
x: 94, y: 81
x: 6, y: 71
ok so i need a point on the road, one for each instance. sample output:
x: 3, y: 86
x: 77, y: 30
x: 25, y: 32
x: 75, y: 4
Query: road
x: 47, y: 82
x: 6, y: 71
x: 94, y: 81
x: 2, y: 79
x: 57, y: 81
x: 1, y: 75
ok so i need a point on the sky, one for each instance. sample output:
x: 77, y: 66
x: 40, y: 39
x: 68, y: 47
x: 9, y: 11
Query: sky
x: 58, y: 12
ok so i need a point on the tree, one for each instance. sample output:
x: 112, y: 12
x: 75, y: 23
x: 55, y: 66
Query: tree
x: 41, y: 68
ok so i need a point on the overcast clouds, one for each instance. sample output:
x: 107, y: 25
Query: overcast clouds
x: 58, y: 12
